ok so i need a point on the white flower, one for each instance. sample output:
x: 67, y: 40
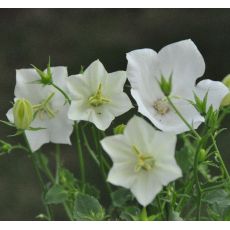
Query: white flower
x: 143, y: 159
x: 48, y: 104
x: 97, y: 96
x: 216, y: 92
x: 185, y: 64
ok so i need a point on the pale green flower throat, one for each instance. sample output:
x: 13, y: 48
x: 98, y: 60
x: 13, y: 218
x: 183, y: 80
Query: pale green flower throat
x: 44, y: 109
x: 98, y: 99
x: 144, y: 161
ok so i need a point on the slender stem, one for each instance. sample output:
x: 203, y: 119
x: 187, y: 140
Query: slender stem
x: 217, y: 152
x: 182, y: 118
x: 96, y: 138
x: 36, y: 169
x: 62, y: 92
x: 198, y: 187
x: 80, y: 153
x: 58, y: 166
x: 90, y: 150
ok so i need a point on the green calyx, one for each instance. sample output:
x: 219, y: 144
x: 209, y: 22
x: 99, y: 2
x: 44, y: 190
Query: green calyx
x: 166, y: 84
x: 46, y: 77
x: 23, y: 114
x: 44, y: 109
x: 144, y: 161
x: 98, y: 99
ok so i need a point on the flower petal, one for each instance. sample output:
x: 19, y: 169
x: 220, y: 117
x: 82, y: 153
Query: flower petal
x: 141, y: 71
x: 122, y: 174
x: 146, y: 187
x: 184, y: 61
x: 37, y: 138
x: 216, y: 92
x: 118, y: 149
x: 60, y: 127
x: 95, y: 74
x: 120, y: 103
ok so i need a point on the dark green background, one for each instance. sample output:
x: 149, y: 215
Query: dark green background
x: 74, y: 37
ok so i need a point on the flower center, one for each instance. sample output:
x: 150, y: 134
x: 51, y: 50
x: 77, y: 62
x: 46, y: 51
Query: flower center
x: 44, y: 109
x: 98, y: 99
x: 161, y: 106
x: 144, y: 161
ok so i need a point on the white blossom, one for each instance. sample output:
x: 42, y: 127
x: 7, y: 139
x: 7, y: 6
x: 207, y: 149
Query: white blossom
x: 215, y: 91
x: 49, y: 106
x: 97, y: 96
x: 185, y: 64
x: 143, y: 159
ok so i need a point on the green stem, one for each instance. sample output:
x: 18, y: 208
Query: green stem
x: 198, y: 187
x: 182, y: 118
x: 32, y: 156
x: 96, y: 138
x: 217, y: 152
x: 80, y: 153
x: 58, y: 166
x: 62, y: 92
x: 144, y: 216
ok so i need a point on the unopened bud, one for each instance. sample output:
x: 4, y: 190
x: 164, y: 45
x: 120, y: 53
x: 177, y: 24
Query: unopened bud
x: 119, y: 129
x: 226, y: 100
x: 23, y: 114
x: 226, y: 81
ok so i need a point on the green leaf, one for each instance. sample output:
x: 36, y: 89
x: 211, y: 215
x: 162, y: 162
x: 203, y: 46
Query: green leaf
x: 174, y: 216
x: 56, y: 195
x: 184, y: 159
x: 131, y: 213
x: 120, y: 197
x: 219, y: 197
x: 88, y: 208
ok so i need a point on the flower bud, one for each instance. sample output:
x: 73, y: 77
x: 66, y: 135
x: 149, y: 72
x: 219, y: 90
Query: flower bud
x: 119, y: 129
x: 226, y: 81
x: 202, y: 155
x: 226, y: 100
x: 23, y: 114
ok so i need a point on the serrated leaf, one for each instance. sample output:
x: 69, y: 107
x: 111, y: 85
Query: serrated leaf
x: 56, y: 195
x: 87, y: 208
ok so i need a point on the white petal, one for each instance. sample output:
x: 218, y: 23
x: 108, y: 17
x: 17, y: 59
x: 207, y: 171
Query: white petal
x: 27, y: 88
x: 185, y: 62
x: 146, y: 187
x: 10, y: 115
x: 141, y: 71
x: 122, y: 174
x: 139, y: 132
x: 115, y: 82
x: 37, y: 138
x: 60, y: 127
x: 167, y: 171
x: 60, y: 75
x: 78, y: 87
x: 120, y: 103
x: 216, y: 92
x: 118, y: 149
x: 95, y: 74
x: 100, y: 116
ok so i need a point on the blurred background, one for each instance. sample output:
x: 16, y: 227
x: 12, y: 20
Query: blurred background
x: 74, y: 37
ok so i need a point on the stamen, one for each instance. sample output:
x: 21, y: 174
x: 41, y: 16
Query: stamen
x: 144, y: 161
x: 98, y: 99
x: 44, y: 109
x: 161, y: 106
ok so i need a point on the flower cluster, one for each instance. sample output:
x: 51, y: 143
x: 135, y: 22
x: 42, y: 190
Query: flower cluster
x: 49, y: 104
